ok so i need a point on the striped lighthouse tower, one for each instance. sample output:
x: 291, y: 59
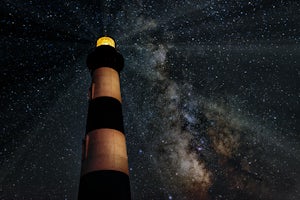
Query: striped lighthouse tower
x: 104, y: 171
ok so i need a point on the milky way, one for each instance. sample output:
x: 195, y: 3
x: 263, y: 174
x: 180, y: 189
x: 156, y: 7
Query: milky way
x: 210, y: 96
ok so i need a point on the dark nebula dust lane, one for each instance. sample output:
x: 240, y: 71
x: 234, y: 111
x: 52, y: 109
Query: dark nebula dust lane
x: 210, y: 96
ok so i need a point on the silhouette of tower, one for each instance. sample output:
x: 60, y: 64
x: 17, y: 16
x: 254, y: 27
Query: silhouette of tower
x: 104, y: 171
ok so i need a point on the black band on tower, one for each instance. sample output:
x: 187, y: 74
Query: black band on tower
x: 105, y: 184
x: 105, y: 56
x: 104, y: 112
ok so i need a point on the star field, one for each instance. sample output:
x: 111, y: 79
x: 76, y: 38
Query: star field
x: 210, y: 96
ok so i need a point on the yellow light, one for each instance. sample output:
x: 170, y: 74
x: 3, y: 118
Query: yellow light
x: 106, y: 41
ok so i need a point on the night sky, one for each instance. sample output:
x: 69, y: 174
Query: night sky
x: 210, y: 88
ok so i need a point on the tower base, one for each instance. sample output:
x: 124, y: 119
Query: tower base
x: 104, y: 184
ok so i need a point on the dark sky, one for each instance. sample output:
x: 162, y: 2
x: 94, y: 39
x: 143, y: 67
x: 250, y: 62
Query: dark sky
x: 210, y: 96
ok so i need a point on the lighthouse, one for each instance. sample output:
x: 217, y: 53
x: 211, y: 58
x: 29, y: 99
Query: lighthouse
x: 104, y: 170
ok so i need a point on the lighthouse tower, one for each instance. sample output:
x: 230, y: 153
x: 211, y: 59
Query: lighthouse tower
x: 104, y: 171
